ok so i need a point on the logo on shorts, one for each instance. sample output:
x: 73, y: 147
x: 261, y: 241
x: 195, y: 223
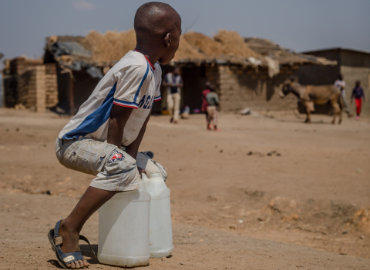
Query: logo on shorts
x: 116, y: 157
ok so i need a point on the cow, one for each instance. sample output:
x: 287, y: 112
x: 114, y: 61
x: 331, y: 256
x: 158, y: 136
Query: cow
x: 309, y: 95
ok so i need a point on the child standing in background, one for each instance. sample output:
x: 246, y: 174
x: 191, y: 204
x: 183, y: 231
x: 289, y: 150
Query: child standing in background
x: 204, y: 101
x: 213, y: 103
x: 358, y: 95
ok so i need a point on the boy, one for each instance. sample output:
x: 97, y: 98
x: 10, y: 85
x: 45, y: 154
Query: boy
x: 212, y: 104
x: 104, y: 136
x: 341, y: 84
x: 204, y: 102
x: 173, y: 83
x: 358, y: 94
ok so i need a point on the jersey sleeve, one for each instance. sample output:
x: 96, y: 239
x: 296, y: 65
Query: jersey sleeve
x: 158, y: 76
x: 158, y: 95
x: 128, y: 86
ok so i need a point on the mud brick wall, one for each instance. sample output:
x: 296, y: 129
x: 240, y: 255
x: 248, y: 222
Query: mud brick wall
x: 51, y: 92
x: 32, y: 89
x: 31, y: 83
x: 20, y: 65
x: 242, y: 87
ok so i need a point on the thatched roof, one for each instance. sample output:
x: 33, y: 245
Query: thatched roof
x: 283, y: 56
x: 226, y: 47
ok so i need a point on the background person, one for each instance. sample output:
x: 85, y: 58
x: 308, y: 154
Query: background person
x: 204, y: 101
x: 213, y: 103
x: 173, y: 82
x: 358, y: 94
x: 341, y: 84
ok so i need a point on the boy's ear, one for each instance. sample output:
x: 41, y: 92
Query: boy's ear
x: 167, y: 40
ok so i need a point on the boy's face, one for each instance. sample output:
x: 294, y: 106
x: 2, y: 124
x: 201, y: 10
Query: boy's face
x: 169, y: 52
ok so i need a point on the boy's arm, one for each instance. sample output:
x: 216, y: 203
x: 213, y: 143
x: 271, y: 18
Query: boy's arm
x: 180, y: 84
x: 133, y: 148
x: 165, y: 82
x: 117, y: 121
x: 217, y: 100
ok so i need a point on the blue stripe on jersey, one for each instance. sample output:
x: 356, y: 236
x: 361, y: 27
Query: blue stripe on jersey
x: 94, y: 120
x: 141, y: 83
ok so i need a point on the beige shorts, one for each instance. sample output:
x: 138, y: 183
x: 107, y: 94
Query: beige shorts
x: 115, y: 170
x: 212, y: 114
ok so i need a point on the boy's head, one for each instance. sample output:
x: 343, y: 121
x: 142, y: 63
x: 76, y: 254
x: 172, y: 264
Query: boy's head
x: 158, y: 26
x: 209, y: 86
x: 177, y: 71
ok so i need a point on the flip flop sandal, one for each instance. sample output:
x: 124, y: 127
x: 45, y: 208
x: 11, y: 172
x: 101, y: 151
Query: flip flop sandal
x: 64, y: 259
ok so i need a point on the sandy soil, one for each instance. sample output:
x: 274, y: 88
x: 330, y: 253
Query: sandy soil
x: 266, y: 192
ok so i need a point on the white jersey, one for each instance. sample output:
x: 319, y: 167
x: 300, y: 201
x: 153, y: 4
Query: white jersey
x: 133, y: 83
x: 173, y: 79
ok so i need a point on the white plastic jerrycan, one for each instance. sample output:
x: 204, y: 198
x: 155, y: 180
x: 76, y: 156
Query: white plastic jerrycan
x: 124, y: 229
x: 160, y: 228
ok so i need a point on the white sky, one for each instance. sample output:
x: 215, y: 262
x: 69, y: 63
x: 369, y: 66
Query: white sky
x: 296, y: 24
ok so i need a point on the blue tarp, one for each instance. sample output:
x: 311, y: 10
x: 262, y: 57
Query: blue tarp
x: 69, y: 48
x: 75, y: 49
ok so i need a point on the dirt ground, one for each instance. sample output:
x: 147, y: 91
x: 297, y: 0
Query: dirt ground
x: 266, y: 192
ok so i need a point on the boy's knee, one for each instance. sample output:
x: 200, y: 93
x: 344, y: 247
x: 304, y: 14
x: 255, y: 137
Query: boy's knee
x: 119, y: 173
x: 119, y: 162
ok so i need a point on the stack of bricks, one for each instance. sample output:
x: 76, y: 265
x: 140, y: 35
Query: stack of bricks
x: 51, y: 85
x: 31, y: 88
x: 245, y: 87
x: 36, y: 87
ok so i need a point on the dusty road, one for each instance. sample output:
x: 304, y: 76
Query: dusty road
x: 263, y: 193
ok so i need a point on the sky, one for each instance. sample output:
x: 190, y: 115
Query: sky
x: 300, y: 25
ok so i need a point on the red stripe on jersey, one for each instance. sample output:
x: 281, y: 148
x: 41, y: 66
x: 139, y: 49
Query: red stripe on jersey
x: 147, y: 59
x: 126, y: 106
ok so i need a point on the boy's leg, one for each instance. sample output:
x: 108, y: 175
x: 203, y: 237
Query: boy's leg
x: 176, y: 109
x: 71, y: 226
x: 170, y: 106
x: 215, y: 120
x: 358, y: 106
x: 209, y: 117
x: 116, y: 170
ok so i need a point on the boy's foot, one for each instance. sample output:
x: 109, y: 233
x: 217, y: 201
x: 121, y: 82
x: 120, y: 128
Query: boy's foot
x: 65, y: 244
x: 70, y: 244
